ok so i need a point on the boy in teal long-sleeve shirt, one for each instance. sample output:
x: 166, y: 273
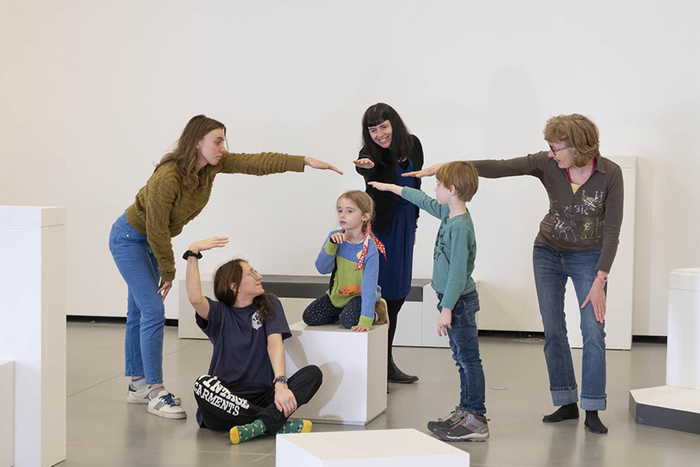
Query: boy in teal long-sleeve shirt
x: 453, y: 263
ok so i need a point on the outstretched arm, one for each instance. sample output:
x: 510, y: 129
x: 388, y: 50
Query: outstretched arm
x: 427, y: 172
x: 386, y: 187
x: 192, y: 280
x: 285, y: 401
x: 320, y: 165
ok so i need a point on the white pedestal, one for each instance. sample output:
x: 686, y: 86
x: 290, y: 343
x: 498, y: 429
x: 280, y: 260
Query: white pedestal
x: 33, y: 331
x: 618, y: 320
x: 374, y: 448
x: 7, y: 413
x: 676, y: 406
x: 354, y: 371
x: 683, y: 349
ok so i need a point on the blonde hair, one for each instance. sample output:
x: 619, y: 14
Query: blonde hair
x: 575, y: 131
x: 462, y: 175
x: 363, y: 202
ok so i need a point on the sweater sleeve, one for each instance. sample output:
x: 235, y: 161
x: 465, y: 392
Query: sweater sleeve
x: 263, y: 163
x: 457, y: 276
x: 423, y: 201
x: 367, y: 174
x: 370, y: 279
x: 162, y: 193
x: 532, y: 164
x: 325, y: 262
x: 614, y: 206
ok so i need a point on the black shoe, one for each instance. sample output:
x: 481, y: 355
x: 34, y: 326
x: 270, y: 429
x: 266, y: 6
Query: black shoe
x: 565, y: 412
x: 394, y: 375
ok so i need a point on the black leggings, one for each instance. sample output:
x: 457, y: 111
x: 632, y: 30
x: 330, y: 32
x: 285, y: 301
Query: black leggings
x: 222, y: 410
x: 393, y: 308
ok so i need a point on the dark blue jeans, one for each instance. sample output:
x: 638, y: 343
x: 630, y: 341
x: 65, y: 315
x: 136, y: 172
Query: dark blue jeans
x: 145, y: 315
x: 552, y: 269
x: 464, y: 342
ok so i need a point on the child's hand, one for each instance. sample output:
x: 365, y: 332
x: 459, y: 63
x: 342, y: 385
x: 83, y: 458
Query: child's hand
x: 364, y: 163
x: 386, y: 187
x: 445, y: 321
x: 208, y: 244
x: 427, y: 172
x: 359, y: 328
x: 338, y: 238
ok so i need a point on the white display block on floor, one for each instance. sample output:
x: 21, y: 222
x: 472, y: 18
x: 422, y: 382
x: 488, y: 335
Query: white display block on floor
x: 683, y: 348
x: 7, y: 413
x: 370, y: 448
x: 354, y: 366
x: 676, y: 406
x: 618, y: 320
x: 33, y: 330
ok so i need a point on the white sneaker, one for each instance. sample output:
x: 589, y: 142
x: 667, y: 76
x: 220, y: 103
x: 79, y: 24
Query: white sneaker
x: 163, y: 405
x: 140, y: 396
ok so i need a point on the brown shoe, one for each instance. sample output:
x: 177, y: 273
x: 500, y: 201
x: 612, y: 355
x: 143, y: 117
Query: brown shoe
x: 381, y: 316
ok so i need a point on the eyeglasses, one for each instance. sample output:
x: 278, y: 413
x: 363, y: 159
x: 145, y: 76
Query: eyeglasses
x: 554, y: 151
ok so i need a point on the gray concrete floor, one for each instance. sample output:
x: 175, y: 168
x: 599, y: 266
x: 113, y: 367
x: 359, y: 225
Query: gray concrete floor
x: 103, y: 430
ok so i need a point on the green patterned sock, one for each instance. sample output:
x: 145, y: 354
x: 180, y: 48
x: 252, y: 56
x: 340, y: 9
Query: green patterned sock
x: 243, y: 433
x: 296, y: 425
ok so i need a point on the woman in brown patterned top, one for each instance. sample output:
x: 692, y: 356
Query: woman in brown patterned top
x: 578, y: 239
x: 140, y: 243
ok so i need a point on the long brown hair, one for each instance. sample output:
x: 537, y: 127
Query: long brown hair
x: 186, y: 153
x: 232, y: 273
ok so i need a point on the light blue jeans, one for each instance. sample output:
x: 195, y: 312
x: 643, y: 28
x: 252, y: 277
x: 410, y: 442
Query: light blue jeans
x: 552, y: 268
x: 145, y: 317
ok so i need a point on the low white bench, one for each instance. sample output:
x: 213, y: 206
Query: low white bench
x: 676, y: 405
x: 417, y: 325
x: 7, y: 413
x: 370, y: 448
x: 354, y: 371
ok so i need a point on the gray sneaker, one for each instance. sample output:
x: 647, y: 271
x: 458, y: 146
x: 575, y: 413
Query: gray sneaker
x: 446, y: 422
x: 467, y: 427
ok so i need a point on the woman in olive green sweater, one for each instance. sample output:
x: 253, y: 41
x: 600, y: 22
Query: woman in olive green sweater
x: 140, y: 243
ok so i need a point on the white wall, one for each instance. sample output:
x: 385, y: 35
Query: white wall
x: 92, y: 93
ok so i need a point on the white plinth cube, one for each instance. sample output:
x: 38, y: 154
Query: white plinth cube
x: 33, y: 330
x: 7, y: 413
x: 683, y: 348
x: 372, y: 448
x: 354, y: 366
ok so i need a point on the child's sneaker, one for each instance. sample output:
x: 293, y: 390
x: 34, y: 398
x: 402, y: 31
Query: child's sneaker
x: 381, y: 314
x: 296, y: 425
x: 447, y: 421
x: 163, y: 405
x: 465, y: 428
x: 140, y: 396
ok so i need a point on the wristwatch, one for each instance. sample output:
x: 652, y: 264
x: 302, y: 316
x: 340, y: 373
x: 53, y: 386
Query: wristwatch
x: 280, y: 379
x: 189, y: 253
x: 602, y: 278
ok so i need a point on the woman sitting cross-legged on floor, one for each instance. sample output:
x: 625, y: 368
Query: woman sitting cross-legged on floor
x: 246, y: 389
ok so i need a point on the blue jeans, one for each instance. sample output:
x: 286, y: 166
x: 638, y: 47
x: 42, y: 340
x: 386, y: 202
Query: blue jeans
x: 464, y: 342
x: 552, y: 268
x: 145, y: 317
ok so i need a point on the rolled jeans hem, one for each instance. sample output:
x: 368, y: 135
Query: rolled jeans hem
x: 564, y: 396
x: 594, y: 402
